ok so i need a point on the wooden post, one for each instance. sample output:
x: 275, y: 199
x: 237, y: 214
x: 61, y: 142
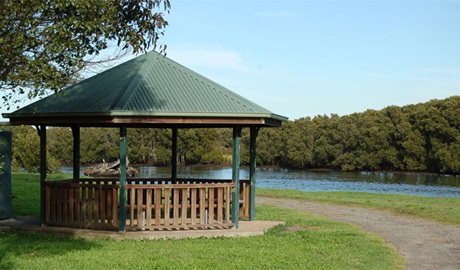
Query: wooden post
x: 6, y: 205
x: 174, y: 156
x: 122, y: 204
x: 252, y: 172
x: 236, y: 174
x: 42, y: 133
x: 76, y: 152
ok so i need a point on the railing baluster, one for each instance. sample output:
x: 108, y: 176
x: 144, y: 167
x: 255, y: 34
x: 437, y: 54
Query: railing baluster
x: 167, y: 203
x: 148, y: 208
x: 115, y: 206
x: 176, y: 206
x: 202, y: 205
x: 184, y: 205
x: 220, y: 205
x: 193, y: 192
x: 139, y: 207
x: 84, y: 200
x: 102, y: 205
x: 211, y: 206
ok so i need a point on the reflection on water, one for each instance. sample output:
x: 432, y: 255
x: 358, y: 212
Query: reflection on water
x: 415, y: 184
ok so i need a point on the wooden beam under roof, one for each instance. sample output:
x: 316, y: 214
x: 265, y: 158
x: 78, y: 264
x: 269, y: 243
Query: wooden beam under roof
x: 145, y: 121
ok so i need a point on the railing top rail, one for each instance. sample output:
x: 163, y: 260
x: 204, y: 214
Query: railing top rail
x: 81, y: 185
x: 153, y: 185
x: 180, y: 185
x: 151, y: 179
x: 139, y: 181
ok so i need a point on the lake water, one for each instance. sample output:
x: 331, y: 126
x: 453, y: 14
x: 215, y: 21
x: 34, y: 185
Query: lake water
x: 395, y: 183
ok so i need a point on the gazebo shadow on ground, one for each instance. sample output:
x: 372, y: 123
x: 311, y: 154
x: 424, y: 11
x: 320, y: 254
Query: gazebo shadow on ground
x: 32, y: 225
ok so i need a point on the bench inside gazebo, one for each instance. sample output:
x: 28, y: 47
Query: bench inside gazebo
x: 149, y: 91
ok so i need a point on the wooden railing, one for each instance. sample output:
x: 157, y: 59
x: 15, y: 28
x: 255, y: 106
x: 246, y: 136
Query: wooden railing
x: 244, y: 188
x: 82, y: 205
x: 152, y: 204
x: 178, y: 206
x: 245, y: 198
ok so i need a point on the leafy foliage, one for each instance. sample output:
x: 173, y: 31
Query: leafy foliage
x: 26, y: 151
x: 422, y: 137
x: 44, y: 44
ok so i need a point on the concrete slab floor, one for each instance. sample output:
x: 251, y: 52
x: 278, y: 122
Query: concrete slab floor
x: 246, y: 228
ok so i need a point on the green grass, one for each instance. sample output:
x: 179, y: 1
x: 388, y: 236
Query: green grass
x: 321, y: 244
x: 26, y: 192
x: 444, y: 210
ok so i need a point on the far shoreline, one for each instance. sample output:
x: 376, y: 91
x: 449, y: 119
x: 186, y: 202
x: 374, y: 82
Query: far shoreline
x: 319, y: 170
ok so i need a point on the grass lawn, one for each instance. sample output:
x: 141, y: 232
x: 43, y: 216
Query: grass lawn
x: 26, y: 192
x: 319, y: 244
x: 444, y: 210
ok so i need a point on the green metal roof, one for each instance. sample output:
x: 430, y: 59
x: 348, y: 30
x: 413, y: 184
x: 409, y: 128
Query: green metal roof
x: 150, y: 85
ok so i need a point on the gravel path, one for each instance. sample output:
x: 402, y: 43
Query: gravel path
x: 424, y: 244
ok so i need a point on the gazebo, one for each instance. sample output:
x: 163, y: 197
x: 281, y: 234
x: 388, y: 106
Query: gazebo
x: 149, y: 91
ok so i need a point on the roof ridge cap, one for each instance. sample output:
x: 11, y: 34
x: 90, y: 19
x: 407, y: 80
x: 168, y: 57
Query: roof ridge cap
x: 121, y: 103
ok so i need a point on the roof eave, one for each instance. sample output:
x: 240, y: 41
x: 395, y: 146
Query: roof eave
x: 148, y: 114
x: 136, y: 120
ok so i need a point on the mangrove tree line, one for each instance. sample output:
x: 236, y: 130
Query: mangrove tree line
x: 420, y: 137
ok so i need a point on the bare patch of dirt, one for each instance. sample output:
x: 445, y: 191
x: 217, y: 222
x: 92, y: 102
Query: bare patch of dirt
x: 424, y: 244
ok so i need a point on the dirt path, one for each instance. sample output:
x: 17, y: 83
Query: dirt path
x: 424, y: 244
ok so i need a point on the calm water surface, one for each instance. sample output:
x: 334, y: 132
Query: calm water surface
x: 415, y: 184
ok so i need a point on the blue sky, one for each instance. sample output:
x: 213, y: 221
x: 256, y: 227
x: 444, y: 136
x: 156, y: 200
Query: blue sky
x: 304, y: 58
